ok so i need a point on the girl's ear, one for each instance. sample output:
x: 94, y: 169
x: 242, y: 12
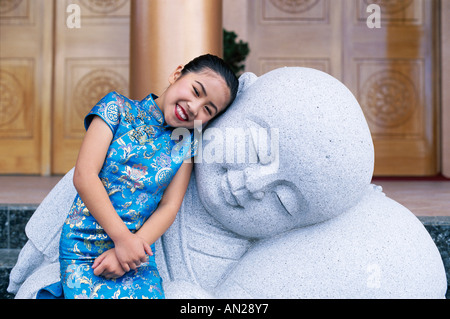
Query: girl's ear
x: 176, y: 74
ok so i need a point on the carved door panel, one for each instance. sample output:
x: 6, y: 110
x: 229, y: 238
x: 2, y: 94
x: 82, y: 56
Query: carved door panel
x: 394, y: 74
x: 90, y: 61
x: 25, y: 85
x: 294, y: 33
x: 391, y: 70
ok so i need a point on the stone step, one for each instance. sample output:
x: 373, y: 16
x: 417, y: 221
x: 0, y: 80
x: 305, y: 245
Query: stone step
x: 8, y: 258
x: 13, y: 219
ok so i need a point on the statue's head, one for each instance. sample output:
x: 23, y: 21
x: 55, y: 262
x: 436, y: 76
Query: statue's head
x: 294, y: 149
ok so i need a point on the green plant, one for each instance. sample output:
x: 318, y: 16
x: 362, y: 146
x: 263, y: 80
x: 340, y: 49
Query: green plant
x: 234, y: 52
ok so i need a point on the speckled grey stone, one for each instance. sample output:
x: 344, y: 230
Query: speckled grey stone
x: 322, y: 154
x: 304, y: 222
x: 377, y: 249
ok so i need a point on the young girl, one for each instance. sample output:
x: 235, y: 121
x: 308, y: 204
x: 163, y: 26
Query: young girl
x: 131, y: 176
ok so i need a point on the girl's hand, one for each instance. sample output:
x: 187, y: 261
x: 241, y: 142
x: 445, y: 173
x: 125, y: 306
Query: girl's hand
x: 108, y: 266
x: 131, y: 251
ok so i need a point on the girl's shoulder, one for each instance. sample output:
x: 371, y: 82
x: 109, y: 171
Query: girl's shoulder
x: 111, y: 108
x: 118, y: 110
x: 115, y: 97
x: 116, y: 102
x: 122, y: 102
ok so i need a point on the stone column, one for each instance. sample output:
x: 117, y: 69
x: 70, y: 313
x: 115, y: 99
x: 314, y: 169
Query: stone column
x: 167, y: 33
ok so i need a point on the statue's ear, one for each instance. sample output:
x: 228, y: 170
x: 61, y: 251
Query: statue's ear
x: 245, y: 80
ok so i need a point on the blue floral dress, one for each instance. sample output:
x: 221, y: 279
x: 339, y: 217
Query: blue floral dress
x: 140, y: 163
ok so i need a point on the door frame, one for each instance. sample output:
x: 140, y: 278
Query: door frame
x: 445, y: 84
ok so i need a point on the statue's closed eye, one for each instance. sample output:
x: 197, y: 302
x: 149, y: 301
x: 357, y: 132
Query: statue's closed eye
x: 288, y: 196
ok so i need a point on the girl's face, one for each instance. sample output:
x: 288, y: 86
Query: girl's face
x: 193, y: 97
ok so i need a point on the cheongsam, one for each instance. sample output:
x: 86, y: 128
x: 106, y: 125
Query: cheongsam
x: 140, y: 163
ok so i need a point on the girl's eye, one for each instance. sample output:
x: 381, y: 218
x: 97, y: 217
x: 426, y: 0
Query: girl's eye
x: 208, y: 109
x: 196, y: 92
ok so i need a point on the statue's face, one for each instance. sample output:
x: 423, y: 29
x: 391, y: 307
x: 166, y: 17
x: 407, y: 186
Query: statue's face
x: 260, y: 172
x: 246, y: 187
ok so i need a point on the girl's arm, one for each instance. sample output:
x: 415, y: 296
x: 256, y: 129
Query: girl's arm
x: 130, y: 249
x: 107, y: 264
x: 170, y: 204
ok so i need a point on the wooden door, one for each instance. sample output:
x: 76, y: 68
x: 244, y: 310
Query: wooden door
x: 294, y: 33
x: 392, y: 70
x: 25, y: 85
x: 90, y: 61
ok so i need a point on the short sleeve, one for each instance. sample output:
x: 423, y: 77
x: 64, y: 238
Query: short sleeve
x: 108, y: 109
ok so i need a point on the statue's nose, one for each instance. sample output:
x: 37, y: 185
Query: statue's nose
x: 255, y: 181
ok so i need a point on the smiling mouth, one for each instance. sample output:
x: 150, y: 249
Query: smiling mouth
x: 180, y: 113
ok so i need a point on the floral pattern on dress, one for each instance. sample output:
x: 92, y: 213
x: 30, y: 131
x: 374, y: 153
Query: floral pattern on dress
x: 138, y: 168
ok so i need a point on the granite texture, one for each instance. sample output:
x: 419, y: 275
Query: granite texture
x: 439, y: 229
x: 367, y: 252
x: 13, y: 219
x: 295, y: 217
x: 38, y: 264
x: 437, y: 226
x: 8, y: 258
x: 303, y: 221
x: 314, y: 153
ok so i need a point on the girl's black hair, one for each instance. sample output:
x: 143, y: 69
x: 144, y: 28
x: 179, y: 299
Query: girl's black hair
x: 217, y: 65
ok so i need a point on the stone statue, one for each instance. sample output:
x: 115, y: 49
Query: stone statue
x: 280, y: 205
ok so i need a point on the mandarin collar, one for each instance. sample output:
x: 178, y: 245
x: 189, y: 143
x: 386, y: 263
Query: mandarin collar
x: 151, y: 98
